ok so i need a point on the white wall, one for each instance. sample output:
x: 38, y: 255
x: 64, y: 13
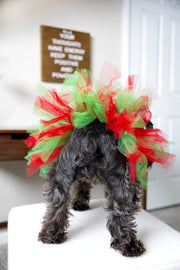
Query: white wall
x: 20, y: 46
x: 20, y: 22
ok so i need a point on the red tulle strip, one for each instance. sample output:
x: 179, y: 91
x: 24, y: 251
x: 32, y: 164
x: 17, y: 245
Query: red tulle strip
x: 47, y: 106
x: 30, y: 141
x: 150, y: 136
x: 60, y: 99
x: 56, y: 131
x: 119, y: 122
x: 54, y: 120
x: 133, y: 161
x: 53, y: 104
x: 36, y: 162
x: 131, y: 82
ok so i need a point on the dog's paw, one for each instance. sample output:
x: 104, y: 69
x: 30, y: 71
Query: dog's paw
x: 133, y: 249
x: 80, y: 206
x: 48, y: 238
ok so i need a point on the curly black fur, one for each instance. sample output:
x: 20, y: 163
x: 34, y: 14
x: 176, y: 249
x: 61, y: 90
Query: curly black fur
x: 90, y: 155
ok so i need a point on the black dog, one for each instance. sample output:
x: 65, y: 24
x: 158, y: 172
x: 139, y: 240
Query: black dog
x: 92, y: 153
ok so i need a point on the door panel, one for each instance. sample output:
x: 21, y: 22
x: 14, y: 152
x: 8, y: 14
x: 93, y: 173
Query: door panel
x: 155, y: 56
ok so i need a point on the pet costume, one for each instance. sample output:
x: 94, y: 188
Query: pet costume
x: 82, y: 99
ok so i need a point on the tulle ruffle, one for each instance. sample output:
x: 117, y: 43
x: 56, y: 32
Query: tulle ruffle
x: 82, y: 99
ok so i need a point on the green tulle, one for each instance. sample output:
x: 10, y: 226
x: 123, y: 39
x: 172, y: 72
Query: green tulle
x: 142, y: 171
x: 83, y: 99
x: 127, y: 144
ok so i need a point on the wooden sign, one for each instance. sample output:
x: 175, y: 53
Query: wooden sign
x: 62, y: 52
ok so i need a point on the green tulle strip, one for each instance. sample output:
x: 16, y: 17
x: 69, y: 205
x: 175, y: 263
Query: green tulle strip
x: 141, y: 171
x: 127, y: 144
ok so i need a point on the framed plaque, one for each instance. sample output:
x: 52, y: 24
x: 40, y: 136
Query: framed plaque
x: 62, y: 52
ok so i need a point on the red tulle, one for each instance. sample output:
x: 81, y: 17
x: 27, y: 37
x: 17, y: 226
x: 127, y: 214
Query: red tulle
x: 133, y: 161
x: 131, y: 82
x: 53, y: 105
x: 139, y: 145
x: 56, y: 131
x: 36, y: 163
x: 30, y: 141
x: 119, y: 123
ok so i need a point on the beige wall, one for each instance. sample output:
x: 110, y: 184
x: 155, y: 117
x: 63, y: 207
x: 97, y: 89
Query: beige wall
x: 20, y: 21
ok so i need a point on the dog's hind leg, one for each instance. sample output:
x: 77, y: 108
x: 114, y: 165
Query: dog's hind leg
x: 57, y: 189
x: 124, y: 201
x: 80, y: 194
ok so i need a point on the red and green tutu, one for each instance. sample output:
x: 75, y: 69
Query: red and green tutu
x: 82, y: 99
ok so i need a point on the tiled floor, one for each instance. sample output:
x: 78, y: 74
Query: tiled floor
x: 170, y: 215
x: 3, y: 249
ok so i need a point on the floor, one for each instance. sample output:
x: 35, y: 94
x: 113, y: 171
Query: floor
x: 170, y: 215
x: 3, y: 249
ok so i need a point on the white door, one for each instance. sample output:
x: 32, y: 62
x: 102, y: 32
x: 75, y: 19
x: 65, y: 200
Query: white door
x: 154, y: 54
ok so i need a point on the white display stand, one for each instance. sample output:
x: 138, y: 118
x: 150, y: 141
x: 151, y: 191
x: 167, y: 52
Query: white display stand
x: 88, y: 243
